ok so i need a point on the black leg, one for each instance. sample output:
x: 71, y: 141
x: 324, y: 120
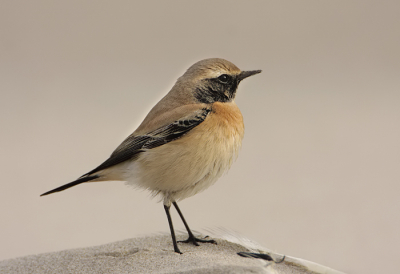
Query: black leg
x: 171, y: 227
x: 191, y: 238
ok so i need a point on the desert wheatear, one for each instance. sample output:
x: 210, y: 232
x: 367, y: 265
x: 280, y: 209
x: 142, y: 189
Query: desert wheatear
x: 185, y: 143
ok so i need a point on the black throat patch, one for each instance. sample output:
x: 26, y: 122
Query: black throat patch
x: 213, y: 90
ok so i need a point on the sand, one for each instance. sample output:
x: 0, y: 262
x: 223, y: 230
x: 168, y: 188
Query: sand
x: 154, y: 254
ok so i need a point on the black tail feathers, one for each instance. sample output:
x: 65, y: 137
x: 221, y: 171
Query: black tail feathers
x: 74, y: 183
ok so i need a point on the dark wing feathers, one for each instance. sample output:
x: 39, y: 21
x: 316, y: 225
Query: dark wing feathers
x: 74, y: 183
x: 134, y: 145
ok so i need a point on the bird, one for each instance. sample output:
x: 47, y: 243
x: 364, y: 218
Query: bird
x: 184, y: 144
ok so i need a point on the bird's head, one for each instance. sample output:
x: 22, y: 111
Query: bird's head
x: 214, y: 80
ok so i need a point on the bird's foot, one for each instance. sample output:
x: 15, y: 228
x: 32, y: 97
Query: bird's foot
x: 192, y: 239
x: 176, y: 250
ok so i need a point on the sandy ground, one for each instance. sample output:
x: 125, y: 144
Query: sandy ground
x: 154, y: 255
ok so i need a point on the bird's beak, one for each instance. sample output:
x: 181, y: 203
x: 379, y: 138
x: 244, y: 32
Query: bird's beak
x: 245, y: 74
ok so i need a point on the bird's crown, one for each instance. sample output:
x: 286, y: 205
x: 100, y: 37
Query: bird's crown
x: 211, y: 68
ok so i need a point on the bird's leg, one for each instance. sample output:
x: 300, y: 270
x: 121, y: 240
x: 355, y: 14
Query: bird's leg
x: 191, y: 238
x: 171, y: 227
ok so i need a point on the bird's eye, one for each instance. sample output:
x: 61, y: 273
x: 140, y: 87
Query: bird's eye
x: 224, y: 78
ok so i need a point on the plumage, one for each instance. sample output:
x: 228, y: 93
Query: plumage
x: 185, y: 143
x: 180, y: 170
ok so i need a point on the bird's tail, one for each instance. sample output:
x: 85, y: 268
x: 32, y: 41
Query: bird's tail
x: 74, y: 183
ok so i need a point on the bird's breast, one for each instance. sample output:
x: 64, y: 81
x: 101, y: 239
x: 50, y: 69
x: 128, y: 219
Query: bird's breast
x: 195, y: 161
x: 227, y: 120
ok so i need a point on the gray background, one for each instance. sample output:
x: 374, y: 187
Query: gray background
x: 318, y: 174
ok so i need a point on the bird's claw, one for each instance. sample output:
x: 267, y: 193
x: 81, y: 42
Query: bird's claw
x: 196, y: 241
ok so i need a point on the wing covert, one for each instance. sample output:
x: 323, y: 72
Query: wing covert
x: 132, y: 146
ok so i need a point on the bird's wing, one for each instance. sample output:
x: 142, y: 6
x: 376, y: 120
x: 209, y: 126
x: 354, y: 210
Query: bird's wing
x: 135, y: 144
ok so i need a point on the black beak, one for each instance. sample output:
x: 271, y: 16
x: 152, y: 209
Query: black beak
x: 245, y: 74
